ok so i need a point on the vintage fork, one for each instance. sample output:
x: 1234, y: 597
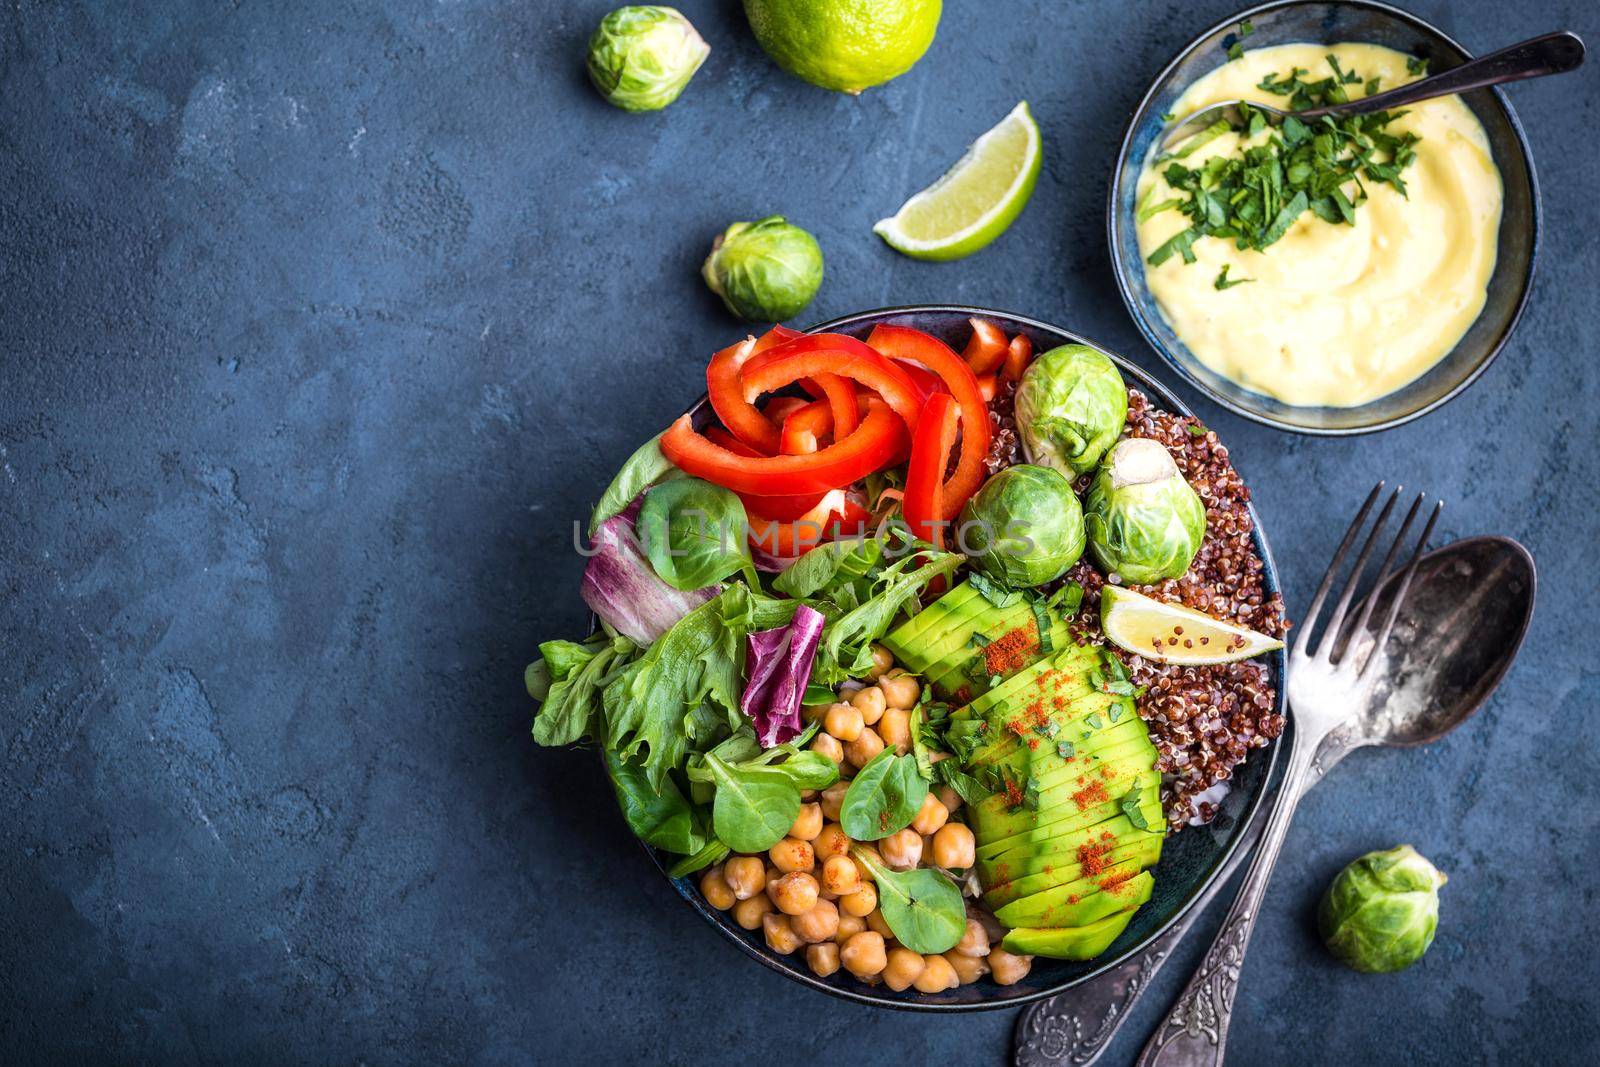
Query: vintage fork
x: 1324, y: 694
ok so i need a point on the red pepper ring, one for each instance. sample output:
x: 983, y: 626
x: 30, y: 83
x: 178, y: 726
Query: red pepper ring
x: 902, y: 342
x: 874, y: 444
x: 834, y: 354
x: 923, y: 504
x: 845, y: 411
x: 737, y: 413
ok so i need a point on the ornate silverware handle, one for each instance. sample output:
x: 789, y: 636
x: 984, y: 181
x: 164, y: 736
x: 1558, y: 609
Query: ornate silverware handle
x: 1195, y: 1033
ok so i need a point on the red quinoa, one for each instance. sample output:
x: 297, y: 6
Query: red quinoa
x: 1203, y: 720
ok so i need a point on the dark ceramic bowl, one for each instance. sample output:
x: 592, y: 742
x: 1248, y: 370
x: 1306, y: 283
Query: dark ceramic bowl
x: 1366, y: 22
x: 1189, y: 861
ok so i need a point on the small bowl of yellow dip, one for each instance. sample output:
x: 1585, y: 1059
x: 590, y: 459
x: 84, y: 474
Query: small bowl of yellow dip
x: 1394, y: 280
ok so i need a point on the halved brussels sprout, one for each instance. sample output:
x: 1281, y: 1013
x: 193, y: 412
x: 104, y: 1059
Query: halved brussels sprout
x: 1380, y: 913
x: 1144, y: 522
x: 1071, y: 407
x: 765, y: 271
x: 1024, y: 527
x: 641, y: 58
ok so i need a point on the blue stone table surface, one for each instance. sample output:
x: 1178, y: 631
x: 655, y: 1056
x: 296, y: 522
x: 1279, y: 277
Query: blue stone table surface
x: 321, y: 323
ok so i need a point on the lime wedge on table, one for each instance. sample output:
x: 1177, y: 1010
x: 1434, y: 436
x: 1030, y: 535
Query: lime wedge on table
x: 976, y: 199
x: 1172, y: 633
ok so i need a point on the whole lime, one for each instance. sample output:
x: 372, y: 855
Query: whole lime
x: 845, y: 45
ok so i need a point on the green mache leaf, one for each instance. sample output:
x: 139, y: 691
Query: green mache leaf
x: 884, y: 797
x: 644, y: 468
x: 661, y: 818
x: 694, y: 533
x: 921, y: 906
x: 754, y: 807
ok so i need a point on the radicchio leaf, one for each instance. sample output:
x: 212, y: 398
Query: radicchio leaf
x: 620, y: 586
x: 780, y: 665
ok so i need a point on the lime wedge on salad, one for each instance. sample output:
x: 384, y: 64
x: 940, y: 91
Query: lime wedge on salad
x: 1172, y: 633
x: 976, y: 199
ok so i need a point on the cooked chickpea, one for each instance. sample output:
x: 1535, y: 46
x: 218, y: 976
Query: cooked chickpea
x: 844, y: 722
x: 968, y: 968
x: 975, y: 942
x: 870, y: 703
x: 903, y: 968
x: 902, y: 850
x: 947, y: 796
x: 832, y: 797
x: 745, y: 875
x: 860, y: 903
x: 818, y: 924
x: 859, y: 752
x: 1007, y: 967
x: 895, y: 729
x: 937, y: 975
x: 792, y: 854
x: 748, y: 913
x: 714, y: 887
x: 876, y: 922
x: 808, y: 824
x: 882, y: 660
x: 849, y: 925
x: 932, y: 815
x: 900, y: 690
x: 829, y: 746
x: 780, y: 934
x: 831, y: 842
x: 864, y: 955
x: 822, y: 959
x: 840, y: 875
x: 954, y: 847
x: 795, y: 893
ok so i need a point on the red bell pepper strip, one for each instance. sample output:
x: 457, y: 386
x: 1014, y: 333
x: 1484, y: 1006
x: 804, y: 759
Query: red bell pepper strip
x: 723, y: 439
x: 876, y: 441
x: 793, y: 538
x: 836, y: 354
x: 844, y: 412
x: 902, y: 342
x: 778, y: 335
x: 780, y: 408
x: 987, y: 348
x: 1018, y: 356
x: 935, y: 437
x: 924, y: 379
x: 805, y: 427
x: 728, y: 399
x: 986, y: 387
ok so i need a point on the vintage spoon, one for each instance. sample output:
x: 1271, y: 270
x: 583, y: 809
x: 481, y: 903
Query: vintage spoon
x: 1455, y: 638
x: 1554, y: 53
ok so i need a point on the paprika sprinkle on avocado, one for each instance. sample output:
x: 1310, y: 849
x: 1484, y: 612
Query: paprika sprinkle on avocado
x: 1092, y: 856
x: 1012, y: 650
x: 1090, y: 795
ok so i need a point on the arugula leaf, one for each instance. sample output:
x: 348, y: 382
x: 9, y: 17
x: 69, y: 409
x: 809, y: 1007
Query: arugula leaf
x: 826, y: 564
x: 846, y: 649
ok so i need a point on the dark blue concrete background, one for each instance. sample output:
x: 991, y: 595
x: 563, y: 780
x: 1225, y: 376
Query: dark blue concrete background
x: 320, y: 324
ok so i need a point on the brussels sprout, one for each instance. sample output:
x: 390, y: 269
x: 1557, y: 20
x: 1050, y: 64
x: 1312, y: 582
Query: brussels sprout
x: 1143, y: 520
x: 1070, y: 408
x: 1379, y: 913
x: 1024, y: 527
x: 766, y: 270
x: 640, y: 58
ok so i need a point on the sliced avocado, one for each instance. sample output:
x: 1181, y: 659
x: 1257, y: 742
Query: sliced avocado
x: 1063, y: 906
x: 1041, y: 753
x: 905, y: 639
x: 1063, y: 850
x: 999, y: 815
x: 958, y: 654
x: 1069, y: 942
x: 1132, y: 855
x: 1069, y: 663
x: 1031, y: 833
x: 1045, y: 770
x: 950, y: 636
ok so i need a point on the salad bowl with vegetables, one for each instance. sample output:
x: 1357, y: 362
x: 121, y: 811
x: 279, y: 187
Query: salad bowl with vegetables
x: 933, y: 652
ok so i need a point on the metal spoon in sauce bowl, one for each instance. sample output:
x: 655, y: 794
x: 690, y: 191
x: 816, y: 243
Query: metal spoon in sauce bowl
x: 1458, y: 631
x: 1553, y: 53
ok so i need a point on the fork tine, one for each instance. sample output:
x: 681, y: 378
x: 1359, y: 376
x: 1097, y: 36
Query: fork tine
x: 1354, y: 632
x: 1310, y: 618
x: 1400, y: 594
x: 1331, y: 634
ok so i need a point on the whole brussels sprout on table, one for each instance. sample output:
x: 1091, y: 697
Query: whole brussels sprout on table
x: 1144, y: 522
x: 641, y: 58
x: 1070, y: 408
x: 1024, y: 527
x: 765, y: 271
x: 1380, y: 912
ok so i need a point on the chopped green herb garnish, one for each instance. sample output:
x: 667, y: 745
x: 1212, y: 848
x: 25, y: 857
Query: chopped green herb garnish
x: 1132, y: 809
x: 1195, y: 429
x: 1115, y: 712
x: 1256, y: 193
x: 978, y: 640
x: 1224, y: 282
x: 1236, y: 47
x: 1093, y: 721
x: 1416, y: 65
x: 1064, y: 749
x: 992, y: 591
x: 1041, y: 623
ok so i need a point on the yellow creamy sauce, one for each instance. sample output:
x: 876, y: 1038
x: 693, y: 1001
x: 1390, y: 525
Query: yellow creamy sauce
x: 1338, y: 315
